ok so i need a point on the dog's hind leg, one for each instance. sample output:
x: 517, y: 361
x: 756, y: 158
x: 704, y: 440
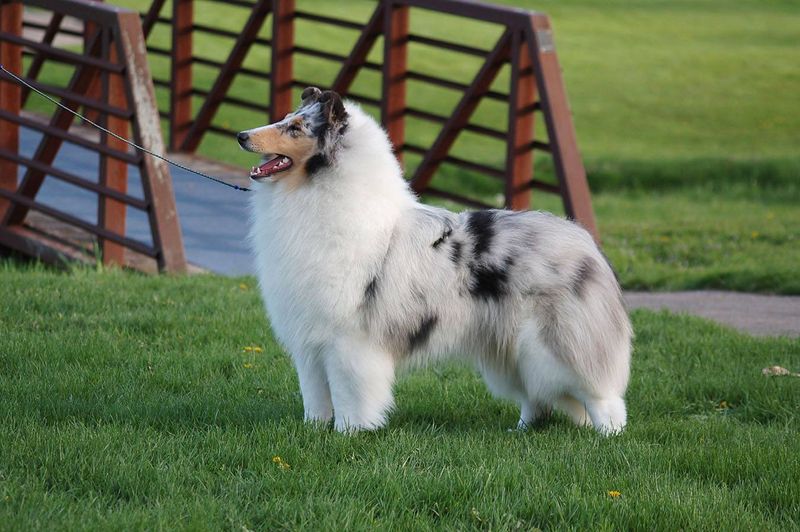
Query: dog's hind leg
x: 531, y: 413
x: 507, y: 385
x: 361, y: 377
x: 317, y: 404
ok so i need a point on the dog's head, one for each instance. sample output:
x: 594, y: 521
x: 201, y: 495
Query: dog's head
x: 301, y: 144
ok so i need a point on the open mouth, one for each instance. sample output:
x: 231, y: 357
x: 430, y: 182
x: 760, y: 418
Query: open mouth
x: 273, y: 164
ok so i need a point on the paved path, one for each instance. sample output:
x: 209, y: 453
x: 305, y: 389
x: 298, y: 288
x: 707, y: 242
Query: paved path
x: 214, y: 222
x: 757, y: 314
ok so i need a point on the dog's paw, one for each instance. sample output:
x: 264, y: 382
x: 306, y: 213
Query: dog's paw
x: 345, y: 426
x: 318, y: 422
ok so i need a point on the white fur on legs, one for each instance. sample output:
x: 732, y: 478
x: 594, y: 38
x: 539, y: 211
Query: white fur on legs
x: 506, y: 384
x: 361, y: 379
x: 317, y: 404
x: 608, y: 415
x: 531, y: 413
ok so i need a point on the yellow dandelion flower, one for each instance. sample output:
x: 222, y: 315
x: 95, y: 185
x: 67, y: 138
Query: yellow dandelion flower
x: 247, y: 349
x: 257, y: 349
x: 243, y: 286
x: 277, y: 460
x: 248, y: 365
x: 614, y: 494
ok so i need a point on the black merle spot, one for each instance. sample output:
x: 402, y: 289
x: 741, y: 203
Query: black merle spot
x: 490, y: 281
x: 420, y: 336
x: 455, y: 251
x: 586, y: 270
x: 320, y: 133
x: 481, y: 225
x: 442, y: 238
x: 371, y: 291
x: 316, y: 163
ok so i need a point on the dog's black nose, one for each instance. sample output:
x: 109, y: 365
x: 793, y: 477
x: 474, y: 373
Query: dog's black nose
x: 242, y: 137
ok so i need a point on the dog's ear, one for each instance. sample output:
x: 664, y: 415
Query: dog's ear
x: 332, y: 107
x: 310, y: 95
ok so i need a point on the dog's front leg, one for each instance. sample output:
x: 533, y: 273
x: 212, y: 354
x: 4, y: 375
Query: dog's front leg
x: 361, y: 378
x: 317, y: 404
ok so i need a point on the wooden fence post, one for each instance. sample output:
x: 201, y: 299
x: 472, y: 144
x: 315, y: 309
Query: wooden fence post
x: 282, y: 48
x: 180, y: 96
x: 558, y: 118
x: 395, y: 66
x: 113, y: 172
x: 10, y: 96
x: 521, y: 102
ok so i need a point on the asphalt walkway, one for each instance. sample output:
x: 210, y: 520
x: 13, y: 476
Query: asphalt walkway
x: 214, y: 222
x: 761, y: 315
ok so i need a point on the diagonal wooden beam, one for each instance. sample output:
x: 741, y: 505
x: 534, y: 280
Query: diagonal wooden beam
x: 226, y: 75
x: 38, y: 61
x: 46, y: 152
x: 358, y: 55
x: 460, y: 117
x: 151, y: 17
x: 165, y: 226
x: 558, y: 119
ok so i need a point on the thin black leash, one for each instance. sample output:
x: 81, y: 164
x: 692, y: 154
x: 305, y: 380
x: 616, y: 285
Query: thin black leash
x: 123, y: 139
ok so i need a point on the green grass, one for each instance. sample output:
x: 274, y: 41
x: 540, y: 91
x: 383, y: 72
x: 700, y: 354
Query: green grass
x: 695, y: 239
x: 686, y: 114
x: 129, y: 403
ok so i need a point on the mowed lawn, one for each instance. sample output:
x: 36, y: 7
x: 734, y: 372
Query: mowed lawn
x: 141, y: 402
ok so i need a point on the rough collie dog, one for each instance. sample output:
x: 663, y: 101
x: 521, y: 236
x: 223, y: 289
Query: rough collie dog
x: 359, y: 278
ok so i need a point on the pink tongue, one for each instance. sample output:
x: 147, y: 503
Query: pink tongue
x: 269, y: 166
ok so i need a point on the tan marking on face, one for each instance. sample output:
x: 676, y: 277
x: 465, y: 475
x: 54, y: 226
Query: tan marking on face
x: 272, y: 139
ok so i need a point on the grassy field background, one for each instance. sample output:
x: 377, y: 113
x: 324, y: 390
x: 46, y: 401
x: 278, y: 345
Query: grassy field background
x: 686, y: 112
x: 141, y: 402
